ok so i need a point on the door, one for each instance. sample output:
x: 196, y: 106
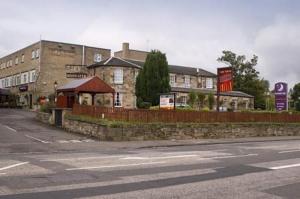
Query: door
x: 30, y: 101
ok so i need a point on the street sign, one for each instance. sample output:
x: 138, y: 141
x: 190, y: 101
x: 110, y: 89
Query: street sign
x: 281, y: 96
x: 225, y: 79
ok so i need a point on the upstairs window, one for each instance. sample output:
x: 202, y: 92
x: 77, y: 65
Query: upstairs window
x: 118, y: 76
x: 10, y: 62
x: 187, y: 81
x: 37, y: 53
x: 22, y: 58
x: 173, y: 80
x: 17, y: 61
x: 33, y: 54
x: 209, y: 83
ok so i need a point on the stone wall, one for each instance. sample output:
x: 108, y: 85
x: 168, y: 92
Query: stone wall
x: 180, y: 131
x: 44, y: 117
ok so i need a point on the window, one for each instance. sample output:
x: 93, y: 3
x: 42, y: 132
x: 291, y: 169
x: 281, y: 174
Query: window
x: 203, y: 83
x: 136, y: 73
x: 118, y: 100
x: 7, y: 64
x: 187, y: 81
x: 32, y: 76
x: 118, y: 76
x: 24, y: 78
x: 97, y: 57
x: 33, y: 54
x: 184, y: 100
x: 173, y: 80
x: 13, y: 80
x: 209, y: 83
x: 37, y: 53
x: 10, y: 62
x: 22, y: 58
x: 16, y: 60
x: 18, y: 81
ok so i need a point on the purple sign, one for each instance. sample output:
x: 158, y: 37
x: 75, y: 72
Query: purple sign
x: 281, y: 96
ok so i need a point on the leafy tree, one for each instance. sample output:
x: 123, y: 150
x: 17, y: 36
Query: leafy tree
x: 192, y: 98
x: 153, y: 79
x: 246, y: 77
x: 296, y: 96
x: 211, y: 101
x: 200, y: 100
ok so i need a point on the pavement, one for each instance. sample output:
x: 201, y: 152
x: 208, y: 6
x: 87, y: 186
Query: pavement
x: 40, y: 161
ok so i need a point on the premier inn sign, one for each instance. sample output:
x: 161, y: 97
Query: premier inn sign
x: 281, y: 96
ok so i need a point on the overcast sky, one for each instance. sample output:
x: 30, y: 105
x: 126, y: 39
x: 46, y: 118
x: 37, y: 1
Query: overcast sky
x: 191, y: 33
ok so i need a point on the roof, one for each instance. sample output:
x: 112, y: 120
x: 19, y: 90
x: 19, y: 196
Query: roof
x: 4, y: 91
x: 207, y: 91
x: 116, y: 61
x: 90, y: 85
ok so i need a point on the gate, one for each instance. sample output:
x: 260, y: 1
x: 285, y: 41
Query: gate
x: 58, y: 118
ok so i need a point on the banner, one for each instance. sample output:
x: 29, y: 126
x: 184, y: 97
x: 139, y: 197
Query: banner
x: 225, y: 82
x: 281, y: 96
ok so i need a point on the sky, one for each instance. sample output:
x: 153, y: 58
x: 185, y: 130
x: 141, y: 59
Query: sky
x: 191, y: 32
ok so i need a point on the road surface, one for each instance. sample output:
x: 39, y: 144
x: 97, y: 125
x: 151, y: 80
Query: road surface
x: 38, y: 161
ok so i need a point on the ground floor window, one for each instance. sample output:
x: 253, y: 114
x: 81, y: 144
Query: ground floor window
x: 118, y: 99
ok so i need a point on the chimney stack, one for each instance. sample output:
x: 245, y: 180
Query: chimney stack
x: 125, y: 50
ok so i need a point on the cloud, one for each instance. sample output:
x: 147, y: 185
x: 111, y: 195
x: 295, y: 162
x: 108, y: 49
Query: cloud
x: 278, y: 48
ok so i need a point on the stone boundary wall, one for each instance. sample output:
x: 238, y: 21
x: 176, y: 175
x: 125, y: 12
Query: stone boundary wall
x: 175, y: 131
x: 44, y: 117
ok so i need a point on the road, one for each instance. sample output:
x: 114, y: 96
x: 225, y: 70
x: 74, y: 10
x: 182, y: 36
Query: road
x: 38, y: 161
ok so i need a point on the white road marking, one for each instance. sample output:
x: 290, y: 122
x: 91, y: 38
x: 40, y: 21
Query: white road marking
x: 9, y: 128
x: 230, y: 156
x: 291, y: 151
x: 285, y: 166
x: 12, y: 166
x: 114, y: 166
x: 37, y: 139
x: 81, y: 158
x: 162, y: 157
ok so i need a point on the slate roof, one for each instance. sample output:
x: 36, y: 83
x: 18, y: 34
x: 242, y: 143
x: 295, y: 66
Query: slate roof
x: 207, y: 91
x: 115, y: 61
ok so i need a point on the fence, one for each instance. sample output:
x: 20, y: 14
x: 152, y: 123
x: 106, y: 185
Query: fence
x: 137, y: 115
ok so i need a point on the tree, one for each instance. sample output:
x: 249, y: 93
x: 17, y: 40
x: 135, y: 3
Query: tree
x: 246, y: 77
x: 200, y: 100
x: 153, y: 79
x: 296, y: 96
x: 192, y: 98
x: 211, y: 101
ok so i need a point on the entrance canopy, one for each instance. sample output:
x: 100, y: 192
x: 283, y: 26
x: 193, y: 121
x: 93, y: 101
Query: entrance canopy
x: 88, y: 85
x: 91, y: 85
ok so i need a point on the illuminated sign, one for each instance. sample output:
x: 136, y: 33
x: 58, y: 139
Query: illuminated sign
x: 225, y: 83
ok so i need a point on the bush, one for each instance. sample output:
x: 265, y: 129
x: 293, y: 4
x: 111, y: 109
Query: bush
x: 145, y: 105
x: 47, y: 107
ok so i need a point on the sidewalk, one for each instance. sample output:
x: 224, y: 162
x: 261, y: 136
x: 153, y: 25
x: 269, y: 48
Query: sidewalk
x: 174, y: 143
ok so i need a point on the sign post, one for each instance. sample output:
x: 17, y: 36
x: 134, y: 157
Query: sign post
x: 224, y: 83
x: 281, y: 96
x: 167, y: 101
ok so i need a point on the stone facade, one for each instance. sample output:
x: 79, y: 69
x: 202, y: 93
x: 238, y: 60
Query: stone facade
x: 179, y: 132
x: 127, y: 53
x: 125, y: 88
x: 49, y: 64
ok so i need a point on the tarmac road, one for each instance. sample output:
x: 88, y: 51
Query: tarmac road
x: 38, y: 161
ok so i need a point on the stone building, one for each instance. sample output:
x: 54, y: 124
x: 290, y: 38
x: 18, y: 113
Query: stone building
x: 121, y: 71
x: 34, y: 72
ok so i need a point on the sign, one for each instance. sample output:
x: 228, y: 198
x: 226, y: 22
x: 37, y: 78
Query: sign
x: 167, y: 101
x: 281, y: 96
x: 225, y: 83
x: 23, y: 88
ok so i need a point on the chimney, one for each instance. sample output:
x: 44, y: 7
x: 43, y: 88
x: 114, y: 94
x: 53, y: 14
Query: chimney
x: 125, y: 50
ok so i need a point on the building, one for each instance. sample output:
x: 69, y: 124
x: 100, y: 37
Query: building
x: 121, y: 71
x: 34, y: 72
